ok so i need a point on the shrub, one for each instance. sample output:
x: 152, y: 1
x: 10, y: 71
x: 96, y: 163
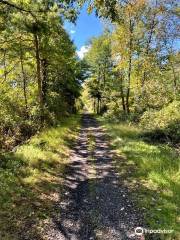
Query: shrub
x: 163, y: 125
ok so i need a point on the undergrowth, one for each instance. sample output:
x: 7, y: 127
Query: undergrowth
x: 31, y: 180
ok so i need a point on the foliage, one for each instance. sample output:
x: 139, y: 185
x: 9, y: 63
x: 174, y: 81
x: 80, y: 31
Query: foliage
x: 163, y: 125
x: 39, y: 70
x: 143, y: 60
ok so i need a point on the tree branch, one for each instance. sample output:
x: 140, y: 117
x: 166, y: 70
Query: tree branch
x: 10, y: 4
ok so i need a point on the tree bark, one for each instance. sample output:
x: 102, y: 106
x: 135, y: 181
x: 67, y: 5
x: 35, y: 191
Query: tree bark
x: 122, y: 94
x: 44, y: 65
x: 98, y: 105
x: 24, y: 82
x: 4, y: 63
x: 152, y: 26
x: 130, y: 65
x: 174, y: 78
x: 39, y: 79
x: 104, y: 75
x: 94, y: 105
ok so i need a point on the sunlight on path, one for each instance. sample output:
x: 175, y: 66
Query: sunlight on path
x: 95, y: 204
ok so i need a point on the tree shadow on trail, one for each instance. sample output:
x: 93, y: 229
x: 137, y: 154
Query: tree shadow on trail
x: 95, y: 203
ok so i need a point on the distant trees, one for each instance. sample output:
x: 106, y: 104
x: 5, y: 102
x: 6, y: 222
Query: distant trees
x: 100, y: 65
x: 143, y: 56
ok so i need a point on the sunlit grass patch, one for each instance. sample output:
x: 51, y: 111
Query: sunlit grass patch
x: 152, y: 172
x: 31, y: 179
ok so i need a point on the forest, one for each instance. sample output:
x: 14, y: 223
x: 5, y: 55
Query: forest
x: 40, y: 73
x: 129, y: 83
x: 134, y: 69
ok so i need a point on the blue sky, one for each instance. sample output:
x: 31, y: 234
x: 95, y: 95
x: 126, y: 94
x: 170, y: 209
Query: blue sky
x: 87, y: 26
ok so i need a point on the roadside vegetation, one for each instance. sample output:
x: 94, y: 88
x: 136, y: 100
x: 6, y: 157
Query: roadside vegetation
x: 31, y: 180
x: 40, y: 74
x: 151, y: 172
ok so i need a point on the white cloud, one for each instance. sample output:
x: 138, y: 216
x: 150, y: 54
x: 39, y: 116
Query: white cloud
x: 72, y: 31
x: 81, y: 53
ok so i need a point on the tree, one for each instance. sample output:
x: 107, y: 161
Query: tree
x: 144, y: 67
x: 99, y: 61
x: 40, y: 71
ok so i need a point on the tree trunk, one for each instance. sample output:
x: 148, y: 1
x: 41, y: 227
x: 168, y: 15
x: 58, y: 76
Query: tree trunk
x: 39, y: 80
x: 174, y: 78
x: 122, y: 95
x: 44, y: 79
x: 4, y: 63
x: 98, y: 105
x: 94, y: 105
x: 104, y: 75
x: 24, y: 82
x: 152, y: 26
x: 129, y: 67
x: 129, y: 83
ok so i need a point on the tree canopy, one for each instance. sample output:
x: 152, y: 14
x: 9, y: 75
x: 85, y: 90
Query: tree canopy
x: 40, y: 72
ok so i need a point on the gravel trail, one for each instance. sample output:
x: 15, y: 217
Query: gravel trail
x: 95, y: 204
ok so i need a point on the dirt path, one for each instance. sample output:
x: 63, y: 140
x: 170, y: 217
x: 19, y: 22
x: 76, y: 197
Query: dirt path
x: 95, y: 204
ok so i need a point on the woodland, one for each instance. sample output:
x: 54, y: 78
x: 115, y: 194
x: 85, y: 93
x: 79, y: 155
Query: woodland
x: 129, y: 80
x: 134, y: 69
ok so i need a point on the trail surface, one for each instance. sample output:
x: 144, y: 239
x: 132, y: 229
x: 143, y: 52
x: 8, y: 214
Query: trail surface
x: 95, y: 203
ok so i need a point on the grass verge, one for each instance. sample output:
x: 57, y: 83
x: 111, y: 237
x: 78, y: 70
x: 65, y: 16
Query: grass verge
x: 152, y: 172
x: 31, y: 180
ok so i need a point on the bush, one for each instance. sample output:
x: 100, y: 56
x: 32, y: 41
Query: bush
x: 163, y: 125
x: 13, y: 133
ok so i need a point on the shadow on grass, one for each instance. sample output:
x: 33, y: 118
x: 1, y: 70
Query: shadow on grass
x: 30, y: 181
x: 169, y: 135
x: 152, y: 172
